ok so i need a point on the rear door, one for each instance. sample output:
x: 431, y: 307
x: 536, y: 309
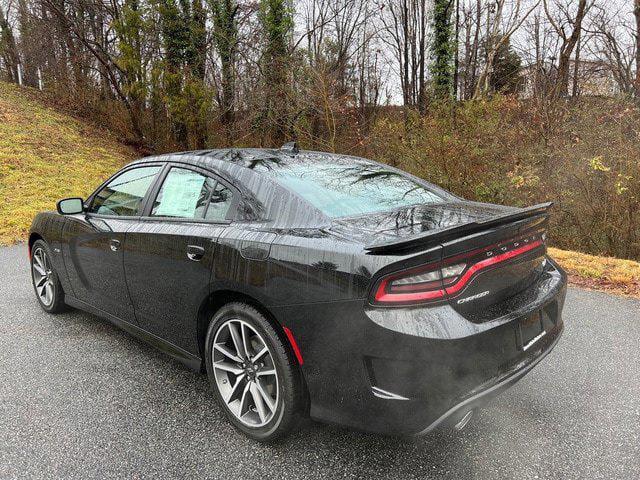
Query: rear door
x: 94, y: 240
x: 169, y: 251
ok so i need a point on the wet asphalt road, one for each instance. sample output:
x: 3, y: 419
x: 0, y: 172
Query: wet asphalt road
x: 82, y: 399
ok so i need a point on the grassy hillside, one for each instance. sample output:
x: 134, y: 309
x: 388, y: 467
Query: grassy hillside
x: 44, y: 156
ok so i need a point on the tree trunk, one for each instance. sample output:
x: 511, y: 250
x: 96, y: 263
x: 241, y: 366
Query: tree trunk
x: 225, y: 35
x: 277, y: 23
x: 422, y: 54
x: 10, y: 50
x: 562, y: 81
x: 475, y: 49
x: 442, y: 49
x: 576, y: 71
x: 636, y: 13
x: 456, y: 58
x: 405, y: 26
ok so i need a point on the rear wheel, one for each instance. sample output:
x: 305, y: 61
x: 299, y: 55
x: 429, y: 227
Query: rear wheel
x: 45, y: 280
x: 254, y: 377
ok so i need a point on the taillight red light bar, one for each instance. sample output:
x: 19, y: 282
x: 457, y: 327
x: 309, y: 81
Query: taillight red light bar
x: 388, y: 293
x: 476, y: 267
x: 383, y: 297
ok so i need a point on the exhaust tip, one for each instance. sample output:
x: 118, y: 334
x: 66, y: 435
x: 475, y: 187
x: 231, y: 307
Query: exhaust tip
x: 464, y: 421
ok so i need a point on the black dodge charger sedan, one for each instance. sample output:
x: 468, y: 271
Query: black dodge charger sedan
x: 310, y: 284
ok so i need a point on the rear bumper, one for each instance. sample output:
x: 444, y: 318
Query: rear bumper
x: 482, y: 397
x: 410, y: 370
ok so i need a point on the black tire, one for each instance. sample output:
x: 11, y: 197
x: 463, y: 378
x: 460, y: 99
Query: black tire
x: 291, y: 398
x: 56, y: 305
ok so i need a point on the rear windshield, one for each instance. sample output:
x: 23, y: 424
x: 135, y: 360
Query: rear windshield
x: 348, y: 188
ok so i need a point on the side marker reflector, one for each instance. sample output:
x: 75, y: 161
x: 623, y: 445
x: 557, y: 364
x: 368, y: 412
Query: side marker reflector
x: 294, y: 345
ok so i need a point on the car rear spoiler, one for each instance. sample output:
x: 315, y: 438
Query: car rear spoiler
x: 443, y: 234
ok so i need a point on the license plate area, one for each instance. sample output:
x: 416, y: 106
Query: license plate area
x: 530, y: 330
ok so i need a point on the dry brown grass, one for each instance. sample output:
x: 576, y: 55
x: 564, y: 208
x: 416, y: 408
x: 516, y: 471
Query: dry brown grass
x: 613, y: 275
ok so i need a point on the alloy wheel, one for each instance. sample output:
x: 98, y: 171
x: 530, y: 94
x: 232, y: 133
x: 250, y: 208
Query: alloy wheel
x: 245, y: 373
x: 42, y: 276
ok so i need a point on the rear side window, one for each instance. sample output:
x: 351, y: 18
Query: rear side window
x: 219, y: 204
x: 188, y: 194
x: 123, y: 194
x: 348, y: 187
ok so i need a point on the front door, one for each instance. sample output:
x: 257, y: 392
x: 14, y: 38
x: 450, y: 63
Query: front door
x: 169, y: 253
x: 95, y: 241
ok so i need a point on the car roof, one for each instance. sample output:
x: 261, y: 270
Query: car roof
x: 251, y: 157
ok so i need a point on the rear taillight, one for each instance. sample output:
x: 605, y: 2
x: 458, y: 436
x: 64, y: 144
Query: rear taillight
x: 435, y: 282
x: 415, y: 286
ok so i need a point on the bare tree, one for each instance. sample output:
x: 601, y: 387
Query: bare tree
x: 501, y: 25
x: 406, y: 26
x: 225, y: 38
x: 609, y: 32
x: 471, y: 26
x: 636, y: 14
x: 568, y: 26
x: 8, y: 48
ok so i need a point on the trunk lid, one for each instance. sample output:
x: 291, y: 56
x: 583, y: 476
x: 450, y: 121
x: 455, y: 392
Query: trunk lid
x: 500, y: 262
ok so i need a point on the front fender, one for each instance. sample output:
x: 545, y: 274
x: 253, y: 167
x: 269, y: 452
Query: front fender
x: 50, y: 227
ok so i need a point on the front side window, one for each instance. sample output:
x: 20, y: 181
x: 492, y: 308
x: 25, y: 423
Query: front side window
x: 122, y: 195
x: 188, y: 194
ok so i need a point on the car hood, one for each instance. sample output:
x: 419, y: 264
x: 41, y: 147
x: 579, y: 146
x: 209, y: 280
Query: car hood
x: 397, y: 224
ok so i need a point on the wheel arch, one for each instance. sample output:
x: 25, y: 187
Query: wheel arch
x: 33, y: 238
x: 221, y: 297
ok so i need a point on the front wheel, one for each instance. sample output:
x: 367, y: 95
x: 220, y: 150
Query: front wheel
x: 254, y: 376
x: 45, y: 279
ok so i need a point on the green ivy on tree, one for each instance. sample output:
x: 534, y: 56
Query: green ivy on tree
x: 442, y: 49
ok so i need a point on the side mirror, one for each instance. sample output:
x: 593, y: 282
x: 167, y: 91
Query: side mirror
x: 70, y: 206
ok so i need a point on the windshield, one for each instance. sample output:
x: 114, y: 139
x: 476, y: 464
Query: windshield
x: 340, y: 189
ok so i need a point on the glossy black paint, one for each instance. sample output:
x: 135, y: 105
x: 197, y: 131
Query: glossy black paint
x: 88, y: 242
x: 314, y: 275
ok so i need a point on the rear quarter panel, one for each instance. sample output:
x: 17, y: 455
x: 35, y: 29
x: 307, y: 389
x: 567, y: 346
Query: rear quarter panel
x: 300, y: 266
x: 309, y: 267
x: 283, y: 268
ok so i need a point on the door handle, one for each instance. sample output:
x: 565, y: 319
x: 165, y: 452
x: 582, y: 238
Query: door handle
x: 195, y: 253
x: 114, y: 244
